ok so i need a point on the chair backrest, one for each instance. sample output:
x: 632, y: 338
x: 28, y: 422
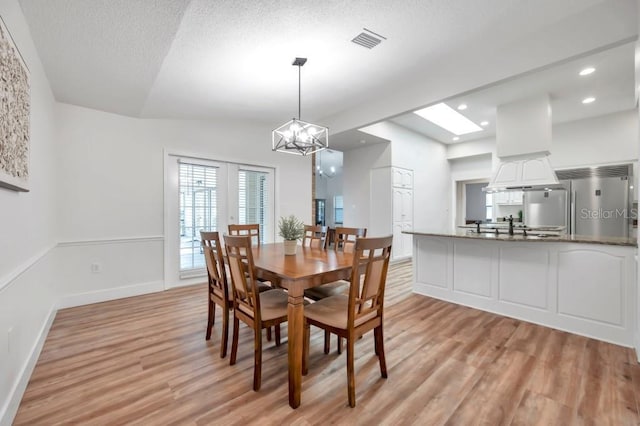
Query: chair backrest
x: 245, y: 286
x: 368, y: 278
x: 315, y: 236
x: 253, y: 230
x: 345, y: 238
x: 214, y: 257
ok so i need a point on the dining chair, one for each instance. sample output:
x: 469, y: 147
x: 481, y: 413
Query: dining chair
x: 361, y: 311
x: 343, y: 240
x: 315, y: 236
x: 219, y: 293
x: 253, y: 230
x: 257, y: 309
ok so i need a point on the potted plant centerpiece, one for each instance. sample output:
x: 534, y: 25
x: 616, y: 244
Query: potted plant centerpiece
x: 292, y: 230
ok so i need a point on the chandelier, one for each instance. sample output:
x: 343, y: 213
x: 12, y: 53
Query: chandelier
x: 297, y: 136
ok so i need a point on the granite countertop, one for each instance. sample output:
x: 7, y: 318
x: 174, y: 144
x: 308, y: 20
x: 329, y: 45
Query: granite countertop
x: 563, y: 238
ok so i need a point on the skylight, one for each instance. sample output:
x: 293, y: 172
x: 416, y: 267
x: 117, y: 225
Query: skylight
x: 449, y: 119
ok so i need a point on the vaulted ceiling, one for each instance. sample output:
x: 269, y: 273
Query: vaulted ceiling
x: 230, y: 59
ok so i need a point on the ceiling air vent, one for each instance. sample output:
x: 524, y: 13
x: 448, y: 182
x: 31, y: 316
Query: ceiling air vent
x: 368, y: 39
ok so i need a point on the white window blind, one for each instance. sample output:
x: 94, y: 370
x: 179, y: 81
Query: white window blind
x: 198, y: 211
x: 253, y: 200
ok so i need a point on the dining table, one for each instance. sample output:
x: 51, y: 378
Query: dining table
x: 309, y: 267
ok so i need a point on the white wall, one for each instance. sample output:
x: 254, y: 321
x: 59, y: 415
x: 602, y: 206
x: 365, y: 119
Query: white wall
x: 409, y: 150
x: 356, y: 184
x: 606, y: 139
x: 27, y: 227
x: 112, y: 175
x: 431, y: 176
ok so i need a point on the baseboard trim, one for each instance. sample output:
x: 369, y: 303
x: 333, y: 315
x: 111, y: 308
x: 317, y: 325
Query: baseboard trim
x: 97, y: 296
x: 10, y: 409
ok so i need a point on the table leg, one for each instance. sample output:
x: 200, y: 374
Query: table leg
x: 295, y: 315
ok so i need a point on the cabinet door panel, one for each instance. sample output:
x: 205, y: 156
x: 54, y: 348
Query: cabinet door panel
x: 397, y: 204
x: 407, y: 205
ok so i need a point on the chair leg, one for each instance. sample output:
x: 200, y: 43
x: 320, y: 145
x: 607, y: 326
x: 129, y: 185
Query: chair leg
x: 234, y: 342
x: 269, y: 334
x: 327, y: 341
x: 277, y: 333
x: 305, y: 348
x: 339, y: 345
x: 257, y: 356
x: 351, y: 376
x: 225, y: 332
x: 380, y: 350
x: 211, y: 319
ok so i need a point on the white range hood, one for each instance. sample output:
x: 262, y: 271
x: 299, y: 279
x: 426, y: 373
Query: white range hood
x: 523, y: 134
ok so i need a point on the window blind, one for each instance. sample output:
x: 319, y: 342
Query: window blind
x: 198, y: 211
x: 253, y: 200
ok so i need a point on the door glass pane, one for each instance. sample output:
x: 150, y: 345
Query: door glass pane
x: 338, y: 209
x: 253, y: 200
x: 198, y: 211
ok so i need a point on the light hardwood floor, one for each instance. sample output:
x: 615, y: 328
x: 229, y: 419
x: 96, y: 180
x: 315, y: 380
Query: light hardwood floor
x: 144, y: 360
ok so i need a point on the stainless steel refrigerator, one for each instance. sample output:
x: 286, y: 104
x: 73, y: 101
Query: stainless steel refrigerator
x: 595, y: 202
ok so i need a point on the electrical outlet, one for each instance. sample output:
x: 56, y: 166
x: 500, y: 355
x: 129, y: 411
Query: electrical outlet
x: 96, y: 268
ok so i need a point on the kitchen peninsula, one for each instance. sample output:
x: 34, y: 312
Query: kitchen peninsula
x: 583, y: 285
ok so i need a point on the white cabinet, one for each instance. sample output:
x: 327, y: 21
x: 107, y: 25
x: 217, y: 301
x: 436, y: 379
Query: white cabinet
x: 402, y: 212
x: 512, y: 198
x: 392, y: 208
x: 402, y: 178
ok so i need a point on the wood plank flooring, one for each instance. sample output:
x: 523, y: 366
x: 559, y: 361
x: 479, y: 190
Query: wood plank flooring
x: 144, y: 360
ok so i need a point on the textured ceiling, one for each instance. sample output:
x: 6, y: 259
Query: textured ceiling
x: 232, y: 59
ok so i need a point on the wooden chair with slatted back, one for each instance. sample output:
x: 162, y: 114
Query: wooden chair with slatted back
x: 358, y: 313
x: 219, y: 293
x: 257, y: 309
x: 315, y: 236
x: 253, y: 230
x: 343, y: 240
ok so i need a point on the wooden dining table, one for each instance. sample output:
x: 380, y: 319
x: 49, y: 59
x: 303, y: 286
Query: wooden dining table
x: 309, y: 267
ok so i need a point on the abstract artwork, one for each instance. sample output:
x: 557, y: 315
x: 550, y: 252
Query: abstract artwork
x: 14, y: 115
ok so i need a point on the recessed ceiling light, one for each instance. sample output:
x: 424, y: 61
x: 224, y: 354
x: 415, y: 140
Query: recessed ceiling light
x: 456, y: 138
x: 484, y: 123
x: 588, y: 100
x: 462, y: 107
x: 587, y: 71
x: 449, y: 119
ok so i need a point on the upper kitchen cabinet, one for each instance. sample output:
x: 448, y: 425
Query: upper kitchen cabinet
x: 512, y: 198
x: 402, y: 178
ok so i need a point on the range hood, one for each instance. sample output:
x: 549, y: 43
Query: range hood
x: 523, y: 134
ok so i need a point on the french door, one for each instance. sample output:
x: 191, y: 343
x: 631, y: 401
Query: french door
x: 204, y: 195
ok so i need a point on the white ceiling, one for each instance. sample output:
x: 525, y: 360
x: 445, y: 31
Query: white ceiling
x: 232, y: 59
x: 612, y: 84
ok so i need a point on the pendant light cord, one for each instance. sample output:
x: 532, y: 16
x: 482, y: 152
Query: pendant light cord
x: 299, y: 89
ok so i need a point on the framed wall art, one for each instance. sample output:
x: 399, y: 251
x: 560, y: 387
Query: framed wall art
x: 15, y: 108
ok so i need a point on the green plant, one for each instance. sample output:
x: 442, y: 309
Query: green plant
x: 290, y: 228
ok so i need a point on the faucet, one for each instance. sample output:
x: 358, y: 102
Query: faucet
x: 510, y: 219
